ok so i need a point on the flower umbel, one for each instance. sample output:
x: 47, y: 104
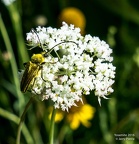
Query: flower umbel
x: 85, y: 65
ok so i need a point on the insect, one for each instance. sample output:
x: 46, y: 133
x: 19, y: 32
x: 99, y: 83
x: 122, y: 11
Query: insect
x: 32, y: 70
x: 34, y: 67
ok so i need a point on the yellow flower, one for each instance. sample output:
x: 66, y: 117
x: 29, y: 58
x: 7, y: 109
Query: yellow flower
x: 74, y: 16
x: 80, y: 114
x: 59, y: 115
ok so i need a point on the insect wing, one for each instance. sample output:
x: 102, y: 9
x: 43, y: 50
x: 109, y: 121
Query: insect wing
x: 30, y: 73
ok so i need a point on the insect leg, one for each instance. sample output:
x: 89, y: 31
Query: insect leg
x: 33, y: 86
x: 25, y: 64
x: 42, y: 76
x: 44, y: 79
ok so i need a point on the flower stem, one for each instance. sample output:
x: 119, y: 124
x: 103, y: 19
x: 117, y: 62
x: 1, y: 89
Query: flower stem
x: 11, y: 117
x: 22, y: 120
x: 12, y: 62
x: 17, y: 25
x: 51, y: 138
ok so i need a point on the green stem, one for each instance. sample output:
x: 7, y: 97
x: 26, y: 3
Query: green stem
x: 7, y: 115
x: 22, y: 120
x: 17, y: 25
x: 51, y: 138
x: 12, y: 62
x: 9, y: 48
x: 62, y: 133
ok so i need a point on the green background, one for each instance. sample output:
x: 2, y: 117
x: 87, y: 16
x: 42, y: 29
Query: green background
x: 116, y: 22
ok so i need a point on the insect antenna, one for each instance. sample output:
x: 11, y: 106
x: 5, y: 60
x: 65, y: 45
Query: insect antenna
x: 40, y: 44
x: 57, y: 45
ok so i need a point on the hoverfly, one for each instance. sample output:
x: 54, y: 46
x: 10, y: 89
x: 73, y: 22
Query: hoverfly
x: 34, y: 67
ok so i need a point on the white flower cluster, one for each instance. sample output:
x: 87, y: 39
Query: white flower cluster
x: 8, y: 2
x: 85, y: 65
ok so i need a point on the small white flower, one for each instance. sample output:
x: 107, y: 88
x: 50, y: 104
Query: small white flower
x: 8, y: 2
x: 84, y: 66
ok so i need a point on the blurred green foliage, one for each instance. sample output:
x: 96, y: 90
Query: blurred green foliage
x: 115, y: 21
